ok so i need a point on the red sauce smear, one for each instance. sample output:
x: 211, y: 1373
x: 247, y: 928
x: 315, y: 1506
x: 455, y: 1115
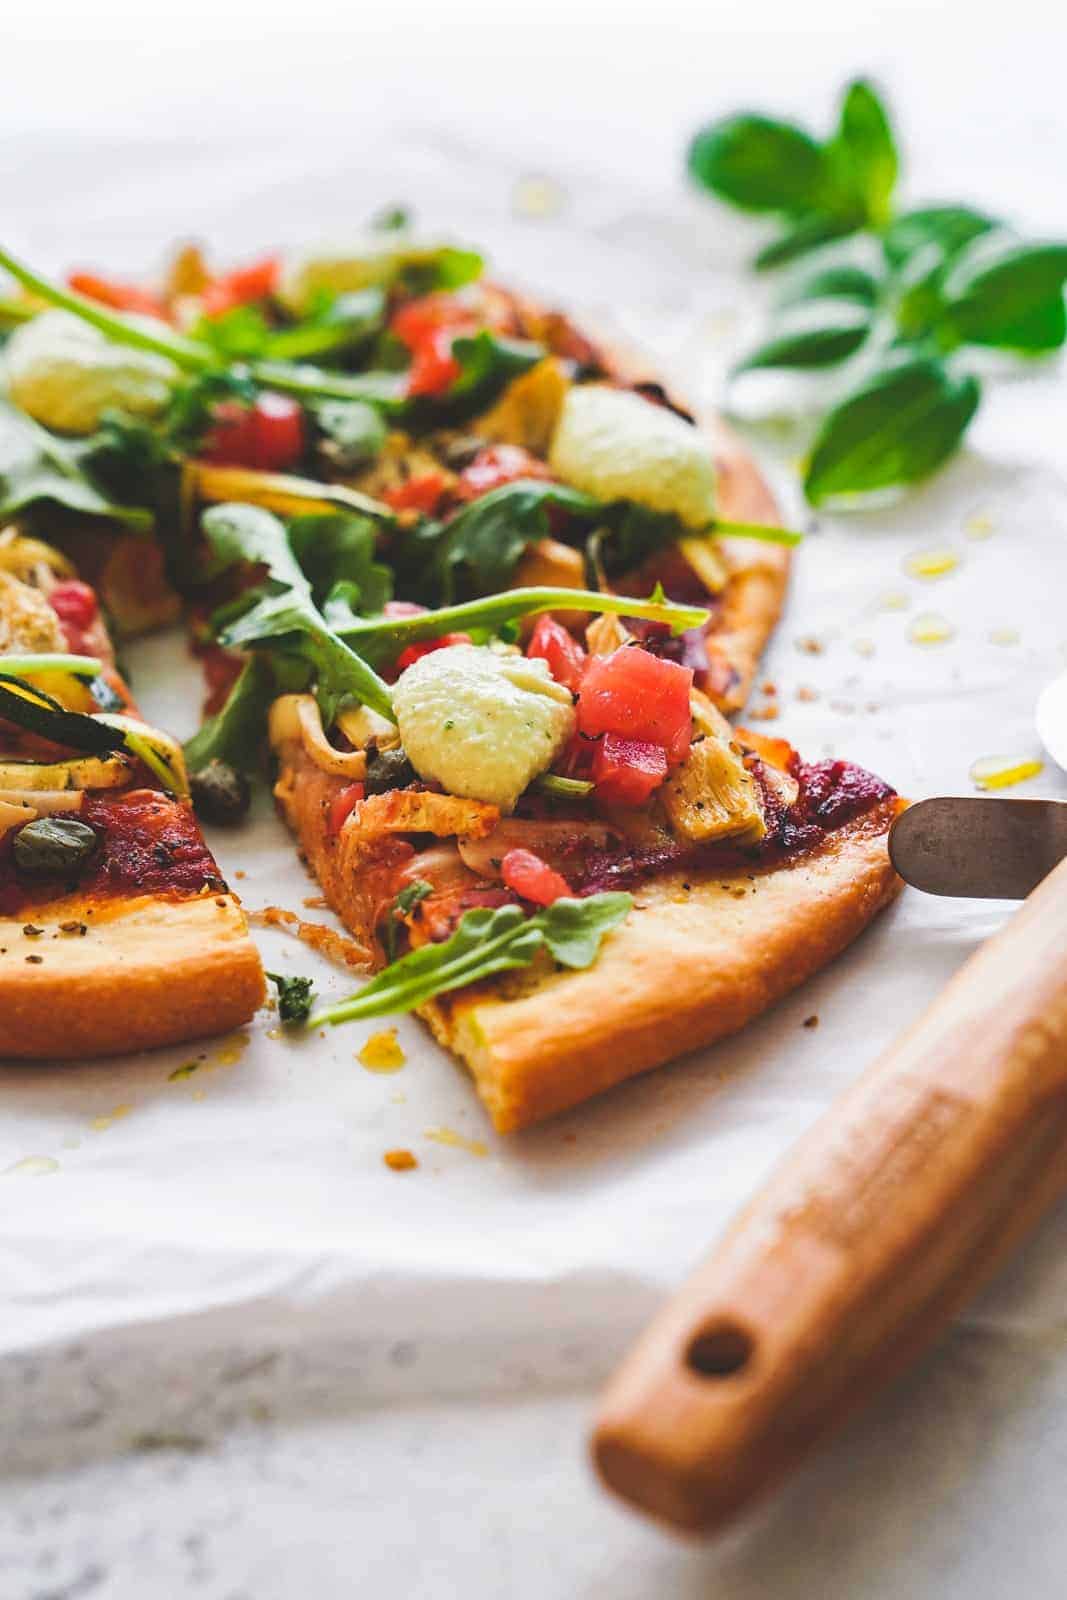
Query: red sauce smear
x: 148, y: 844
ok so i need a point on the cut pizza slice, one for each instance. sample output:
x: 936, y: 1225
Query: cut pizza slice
x: 588, y: 870
x: 117, y: 932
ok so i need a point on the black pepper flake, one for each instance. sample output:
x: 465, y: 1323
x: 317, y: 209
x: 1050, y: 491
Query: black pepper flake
x: 812, y: 1021
x: 31, y: 931
x: 35, y: 961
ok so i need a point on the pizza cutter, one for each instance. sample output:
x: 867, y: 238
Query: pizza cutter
x: 886, y: 1217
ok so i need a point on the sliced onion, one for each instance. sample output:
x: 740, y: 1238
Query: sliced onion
x: 44, y: 801
x: 296, y: 716
x: 553, y: 840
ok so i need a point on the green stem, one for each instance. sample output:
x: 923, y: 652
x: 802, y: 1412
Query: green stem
x: 382, y: 389
x: 755, y: 530
x: 80, y: 666
x: 183, y: 352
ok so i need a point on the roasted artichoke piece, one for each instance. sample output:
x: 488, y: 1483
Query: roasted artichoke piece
x: 527, y: 412
x: 713, y: 796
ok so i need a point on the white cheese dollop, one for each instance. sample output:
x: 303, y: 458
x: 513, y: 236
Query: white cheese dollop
x: 66, y: 374
x: 616, y: 445
x: 480, y: 724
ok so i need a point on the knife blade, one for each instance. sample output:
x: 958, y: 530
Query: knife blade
x: 983, y: 849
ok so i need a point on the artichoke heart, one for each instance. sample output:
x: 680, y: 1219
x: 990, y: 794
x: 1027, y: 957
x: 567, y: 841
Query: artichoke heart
x: 713, y: 796
x: 529, y: 410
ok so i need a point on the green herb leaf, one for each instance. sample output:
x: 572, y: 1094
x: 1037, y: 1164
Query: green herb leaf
x: 863, y: 154
x: 403, y: 906
x: 354, y: 433
x: 807, y: 348
x: 760, y: 164
x: 283, y: 609
x: 294, y: 997
x: 948, y: 227
x: 334, y: 548
x: 37, y: 467
x: 487, y: 537
x: 485, y: 942
x: 234, y: 735
x: 563, y: 788
x: 895, y: 429
x: 809, y: 234
x: 842, y: 282
x: 1012, y: 300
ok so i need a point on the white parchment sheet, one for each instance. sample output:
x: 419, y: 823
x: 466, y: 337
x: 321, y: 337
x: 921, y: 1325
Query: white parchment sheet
x: 223, y: 1259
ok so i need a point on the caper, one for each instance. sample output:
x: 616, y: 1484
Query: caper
x: 220, y: 793
x: 51, y: 847
x: 388, y: 769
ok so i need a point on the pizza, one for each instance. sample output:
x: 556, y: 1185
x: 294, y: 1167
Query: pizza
x: 117, y: 931
x: 483, y: 595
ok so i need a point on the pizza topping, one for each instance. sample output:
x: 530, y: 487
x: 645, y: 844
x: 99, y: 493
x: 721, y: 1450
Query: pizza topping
x: 342, y: 805
x: 30, y: 708
x: 14, y: 812
x: 533, y: 879
x: 220, y: 793
x: 566, y: 659
x: 641, y: 700
x: 712, y: 795
x: 496, y: 465
x: 487, y: 941
x: 66, y: 374
x: 389, y: 769
x: 297, y: 717
x: 618, y: 446
x: 268, y: 435
x: 626, y: 772
x: 480, y: 724
x: 53, y: 846
x: 379, y: 258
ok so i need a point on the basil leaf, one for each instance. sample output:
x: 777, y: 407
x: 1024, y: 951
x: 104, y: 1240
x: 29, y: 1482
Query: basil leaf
x: 807, y: 347
x: 893, y: 430
x: 1009, y: 301
x: 573, y: 929
x: 949, y: 227
x: 864, y: 155
x: 234, y: 735
x: 834, y: 283
x: 485, y: 942
x: 759, y: 164
x: 810, y: 234
x: 294, y: 997
x: 37, y: 467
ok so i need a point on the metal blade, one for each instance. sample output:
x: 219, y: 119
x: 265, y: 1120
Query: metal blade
x: 986, y: 849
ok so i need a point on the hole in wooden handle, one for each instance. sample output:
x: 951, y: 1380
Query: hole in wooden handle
x: 720, y: 1350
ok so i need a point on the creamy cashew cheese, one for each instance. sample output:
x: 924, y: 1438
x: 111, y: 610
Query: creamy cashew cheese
x: 616, y: 445
x: 480, y: 724
x: 66, y: 374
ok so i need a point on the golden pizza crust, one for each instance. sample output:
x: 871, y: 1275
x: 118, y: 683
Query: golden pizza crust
x: 150, y: 970
x: 689, y: 966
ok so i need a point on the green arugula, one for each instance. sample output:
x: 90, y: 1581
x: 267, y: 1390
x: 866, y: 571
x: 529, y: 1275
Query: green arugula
x: 402, y: 906
x: 294, y: 997
x: 953, y: 278
x: 37, y: 467
x: 486, y: 942
x: 234, y: 735
x: 353, y: 433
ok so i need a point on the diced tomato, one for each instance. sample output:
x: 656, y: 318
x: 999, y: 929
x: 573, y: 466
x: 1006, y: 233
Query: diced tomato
x: 425, y: 647
x: 420, y: 493
x: 75, y: 604
x: 341, y: 806
x: 532, y: 878
x: 433, y: 366
x: 638, y: 696
x: 119, y: 296
x: 242, y: 287
x: 566, y: 659
x: 496, y: 465
x: 417, y: 320
x: 626, y: 771
x: 577, y: 758
x: 268, y: 435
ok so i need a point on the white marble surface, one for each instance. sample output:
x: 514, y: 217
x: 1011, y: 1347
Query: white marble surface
x: 240, y: 1360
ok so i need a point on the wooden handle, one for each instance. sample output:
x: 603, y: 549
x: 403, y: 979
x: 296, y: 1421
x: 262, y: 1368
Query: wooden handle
x: 884, y: 1218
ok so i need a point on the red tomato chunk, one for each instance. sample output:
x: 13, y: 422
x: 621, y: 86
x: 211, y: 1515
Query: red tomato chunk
x: 343, y: 802
x: 532, y: 878
x: 495, y: 466
x: 626, y: 771
x: 420, y: 493
x: 425, y: 647
x: 268, y: 435
x: 638, y: 696
x: 566, y: 659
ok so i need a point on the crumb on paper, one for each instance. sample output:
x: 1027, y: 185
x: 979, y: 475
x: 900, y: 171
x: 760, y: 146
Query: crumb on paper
x: 186, y: 1070
x: 316, y: 902
x: 458, y: 1141
x: 863, y: 647
x: 400, y: 1160
x: 382, y: 1052
x: 812, y: 1021
x: 809, y: 645
x: 806, y: 693
x: 767, y: 712
x: 342, y: 951
x: 109, y: 1118
x: 240, y: 873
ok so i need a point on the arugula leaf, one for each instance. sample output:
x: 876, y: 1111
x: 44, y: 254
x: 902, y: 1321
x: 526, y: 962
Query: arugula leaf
x: 948, y: 227
x: 864, y: 155
x: 234, y: 735
x: 38, y: 467
x: 485, y: 942
x: 447, y: 267
x: 294, y: 997
x: 1012, y: 300
x: 895, y: 429
x: 402, y: 906
x: 487, y: 537
x: 841, y: 282
x: 337, y: 548
x: 488, y: 362
x: 807, y: 347
x: 760, y: 164
x: 354, y: 433
x: 283, y: 609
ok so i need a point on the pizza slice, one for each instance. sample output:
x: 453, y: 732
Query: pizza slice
x: 117, y: 931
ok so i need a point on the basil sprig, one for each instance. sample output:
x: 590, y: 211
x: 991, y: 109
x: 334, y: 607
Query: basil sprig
x: 485, y: 942
x: 945, y: 279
